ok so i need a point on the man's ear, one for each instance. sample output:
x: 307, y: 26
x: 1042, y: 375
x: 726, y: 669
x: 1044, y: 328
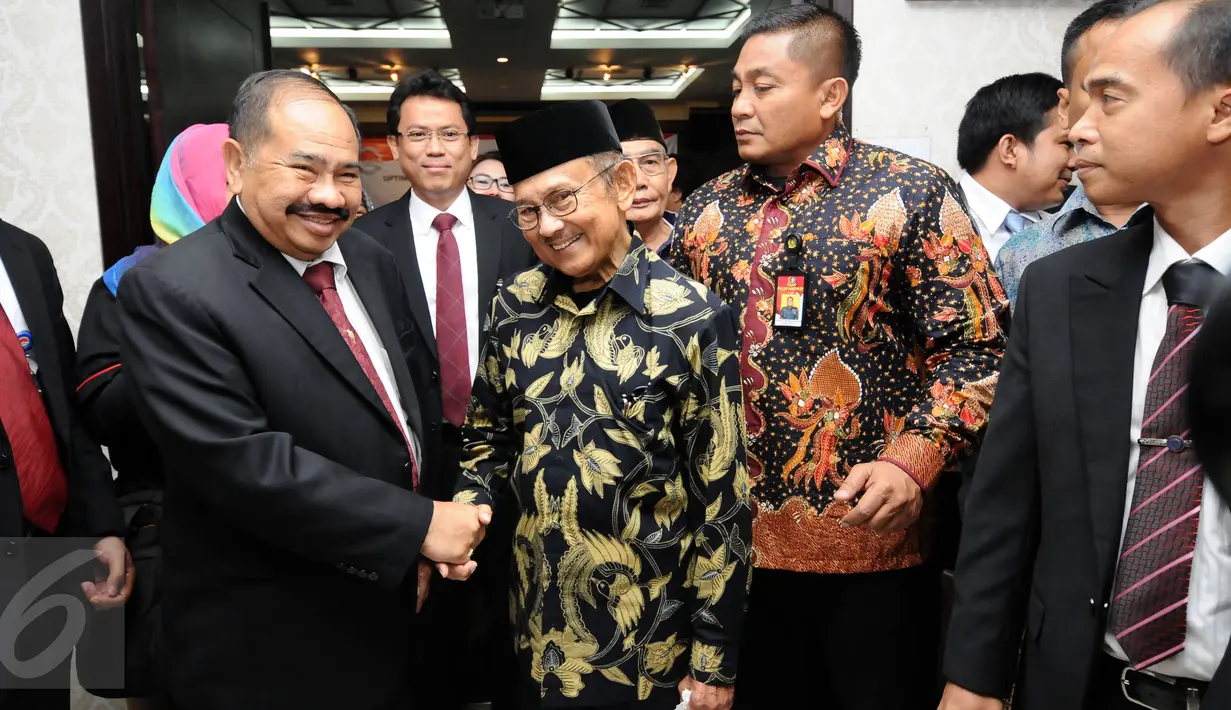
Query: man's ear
x: 393, y: 146
x: 1009, y: 151
x: 1220, y: 128
x: 234, y: 159
x: 624, y: 184
x: 474, y: 149
x: 673, y: 169
x: 1062, y: 109
x: 834, y: 93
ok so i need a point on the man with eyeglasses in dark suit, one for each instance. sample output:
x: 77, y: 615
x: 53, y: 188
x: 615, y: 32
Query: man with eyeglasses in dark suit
x: 452, y: 246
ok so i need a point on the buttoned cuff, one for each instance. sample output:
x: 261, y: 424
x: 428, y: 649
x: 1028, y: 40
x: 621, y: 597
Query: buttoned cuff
x: 917, y: 456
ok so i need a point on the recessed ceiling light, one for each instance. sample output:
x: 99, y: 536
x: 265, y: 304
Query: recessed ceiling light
x: 502, y: 60
x: 393, y: 76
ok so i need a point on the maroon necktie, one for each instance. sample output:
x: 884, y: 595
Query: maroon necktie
x: 320, y: 277
x: 1149, y: 609
x: 44, y: 490
x: 451, y: 342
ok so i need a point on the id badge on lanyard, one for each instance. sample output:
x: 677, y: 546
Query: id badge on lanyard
x: 791, y: 286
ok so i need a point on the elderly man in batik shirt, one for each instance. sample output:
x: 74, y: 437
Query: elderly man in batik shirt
x: 855, y: 409
x: 609, y: 398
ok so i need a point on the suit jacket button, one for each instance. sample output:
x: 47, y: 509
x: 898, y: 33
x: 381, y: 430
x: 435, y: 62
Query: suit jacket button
x: 4, y: 462
x: 435, y: 375
x: 351, y: 570
x: 373, y: 576
x: 362, y: 574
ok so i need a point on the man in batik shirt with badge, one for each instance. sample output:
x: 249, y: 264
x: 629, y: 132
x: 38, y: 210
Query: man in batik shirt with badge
x: 609, y: 398
x: 856, y: 405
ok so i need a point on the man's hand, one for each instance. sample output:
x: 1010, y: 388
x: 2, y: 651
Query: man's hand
x: 113, y: 591
x: 891, y: 499
x: 958, y: 698
x: 424, y: 584
x: 707, y: 697
x: 456, y: 529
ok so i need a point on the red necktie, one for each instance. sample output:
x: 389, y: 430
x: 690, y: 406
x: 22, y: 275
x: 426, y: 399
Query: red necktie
x: 44, y: 490
x: 451, y: 341
x: 320, y: 277
x: 1149, y: 609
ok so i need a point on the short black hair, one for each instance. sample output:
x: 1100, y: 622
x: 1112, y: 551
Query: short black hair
x: 1101, y: 11
x: 1015, y: 105
x: 812, y: 25
x: 428, y: 82
x: 489, y: 155
x: 248, y: 121
x: 1200, y: 50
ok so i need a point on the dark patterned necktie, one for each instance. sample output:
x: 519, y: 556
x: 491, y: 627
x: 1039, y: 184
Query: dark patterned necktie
x: 451, y: 341
x: 40, y: 479
x: 1149, y: 609
x: 321, y: 278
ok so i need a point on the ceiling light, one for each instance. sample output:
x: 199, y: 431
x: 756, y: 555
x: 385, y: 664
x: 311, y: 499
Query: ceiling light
x: 393, y: 76
x: 606, y: 76
x: 502, y: 60
x: 662, y: 92
x: 305, y: 70
x: 377, y: 39
x: 683, y: 38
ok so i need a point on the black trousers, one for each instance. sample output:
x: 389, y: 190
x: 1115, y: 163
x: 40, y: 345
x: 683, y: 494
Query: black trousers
x: 841, y: 642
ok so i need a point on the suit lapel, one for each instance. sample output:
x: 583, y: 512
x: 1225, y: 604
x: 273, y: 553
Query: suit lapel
x: 363, y: 273
x: 286, y: 292
x: 1104, y: 307
x: 488, y: 238
x: 402, y: 243
x: 31, y: 296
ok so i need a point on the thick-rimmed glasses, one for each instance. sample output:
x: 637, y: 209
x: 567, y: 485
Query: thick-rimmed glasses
x: 651, y: 163
x: 559, y: 203
x: 449, y: 135
x: 479, y: 181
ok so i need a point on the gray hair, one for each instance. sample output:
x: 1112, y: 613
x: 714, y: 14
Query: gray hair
x: 249, y: 118
x: 603, y: 164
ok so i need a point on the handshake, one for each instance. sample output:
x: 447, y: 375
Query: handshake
x: 455, y: 531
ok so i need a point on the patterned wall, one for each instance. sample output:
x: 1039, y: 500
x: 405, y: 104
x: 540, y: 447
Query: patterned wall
x: 923, y: 60
x: 46, y: 163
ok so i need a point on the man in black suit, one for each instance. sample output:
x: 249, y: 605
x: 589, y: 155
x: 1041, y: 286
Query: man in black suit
x: 269, y: 355
x: 1090, y: 518
x: 452, y: 246
x: 54, y: 481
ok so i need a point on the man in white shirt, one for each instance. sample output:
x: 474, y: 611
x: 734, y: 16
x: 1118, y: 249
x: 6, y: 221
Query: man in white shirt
x: 1015, y: 151
x: 269, y: 354
x: 452, y: 246
x: 1089, y: 510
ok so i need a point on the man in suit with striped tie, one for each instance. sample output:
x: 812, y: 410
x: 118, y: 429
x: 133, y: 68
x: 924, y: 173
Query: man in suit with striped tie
x: 1090, y: 514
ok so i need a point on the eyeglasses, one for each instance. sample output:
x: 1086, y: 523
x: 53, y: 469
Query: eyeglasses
x: 449, y: 135
x: 651, y: 163
x: 485, y: 182
x: 559, y: 203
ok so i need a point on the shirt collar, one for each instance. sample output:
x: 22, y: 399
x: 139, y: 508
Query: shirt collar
x: 829, y: 159
x: 987, y: 207
x: 422, y: 214
x: 1166, y: 252
x: 332, y: 255
x: 629, y: 283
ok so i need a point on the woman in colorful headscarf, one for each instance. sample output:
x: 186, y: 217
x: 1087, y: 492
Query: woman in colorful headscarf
x: 189, y: 192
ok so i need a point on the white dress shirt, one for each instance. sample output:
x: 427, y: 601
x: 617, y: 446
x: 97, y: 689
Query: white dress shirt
x: 1209, y: 588
x: 362, y: 323
x: 989, y: 212
x: 12, y: 309
x: 426, y: 239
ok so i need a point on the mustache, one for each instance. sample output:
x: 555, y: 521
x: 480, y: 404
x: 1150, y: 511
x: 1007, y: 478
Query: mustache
x: 308, y: 208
